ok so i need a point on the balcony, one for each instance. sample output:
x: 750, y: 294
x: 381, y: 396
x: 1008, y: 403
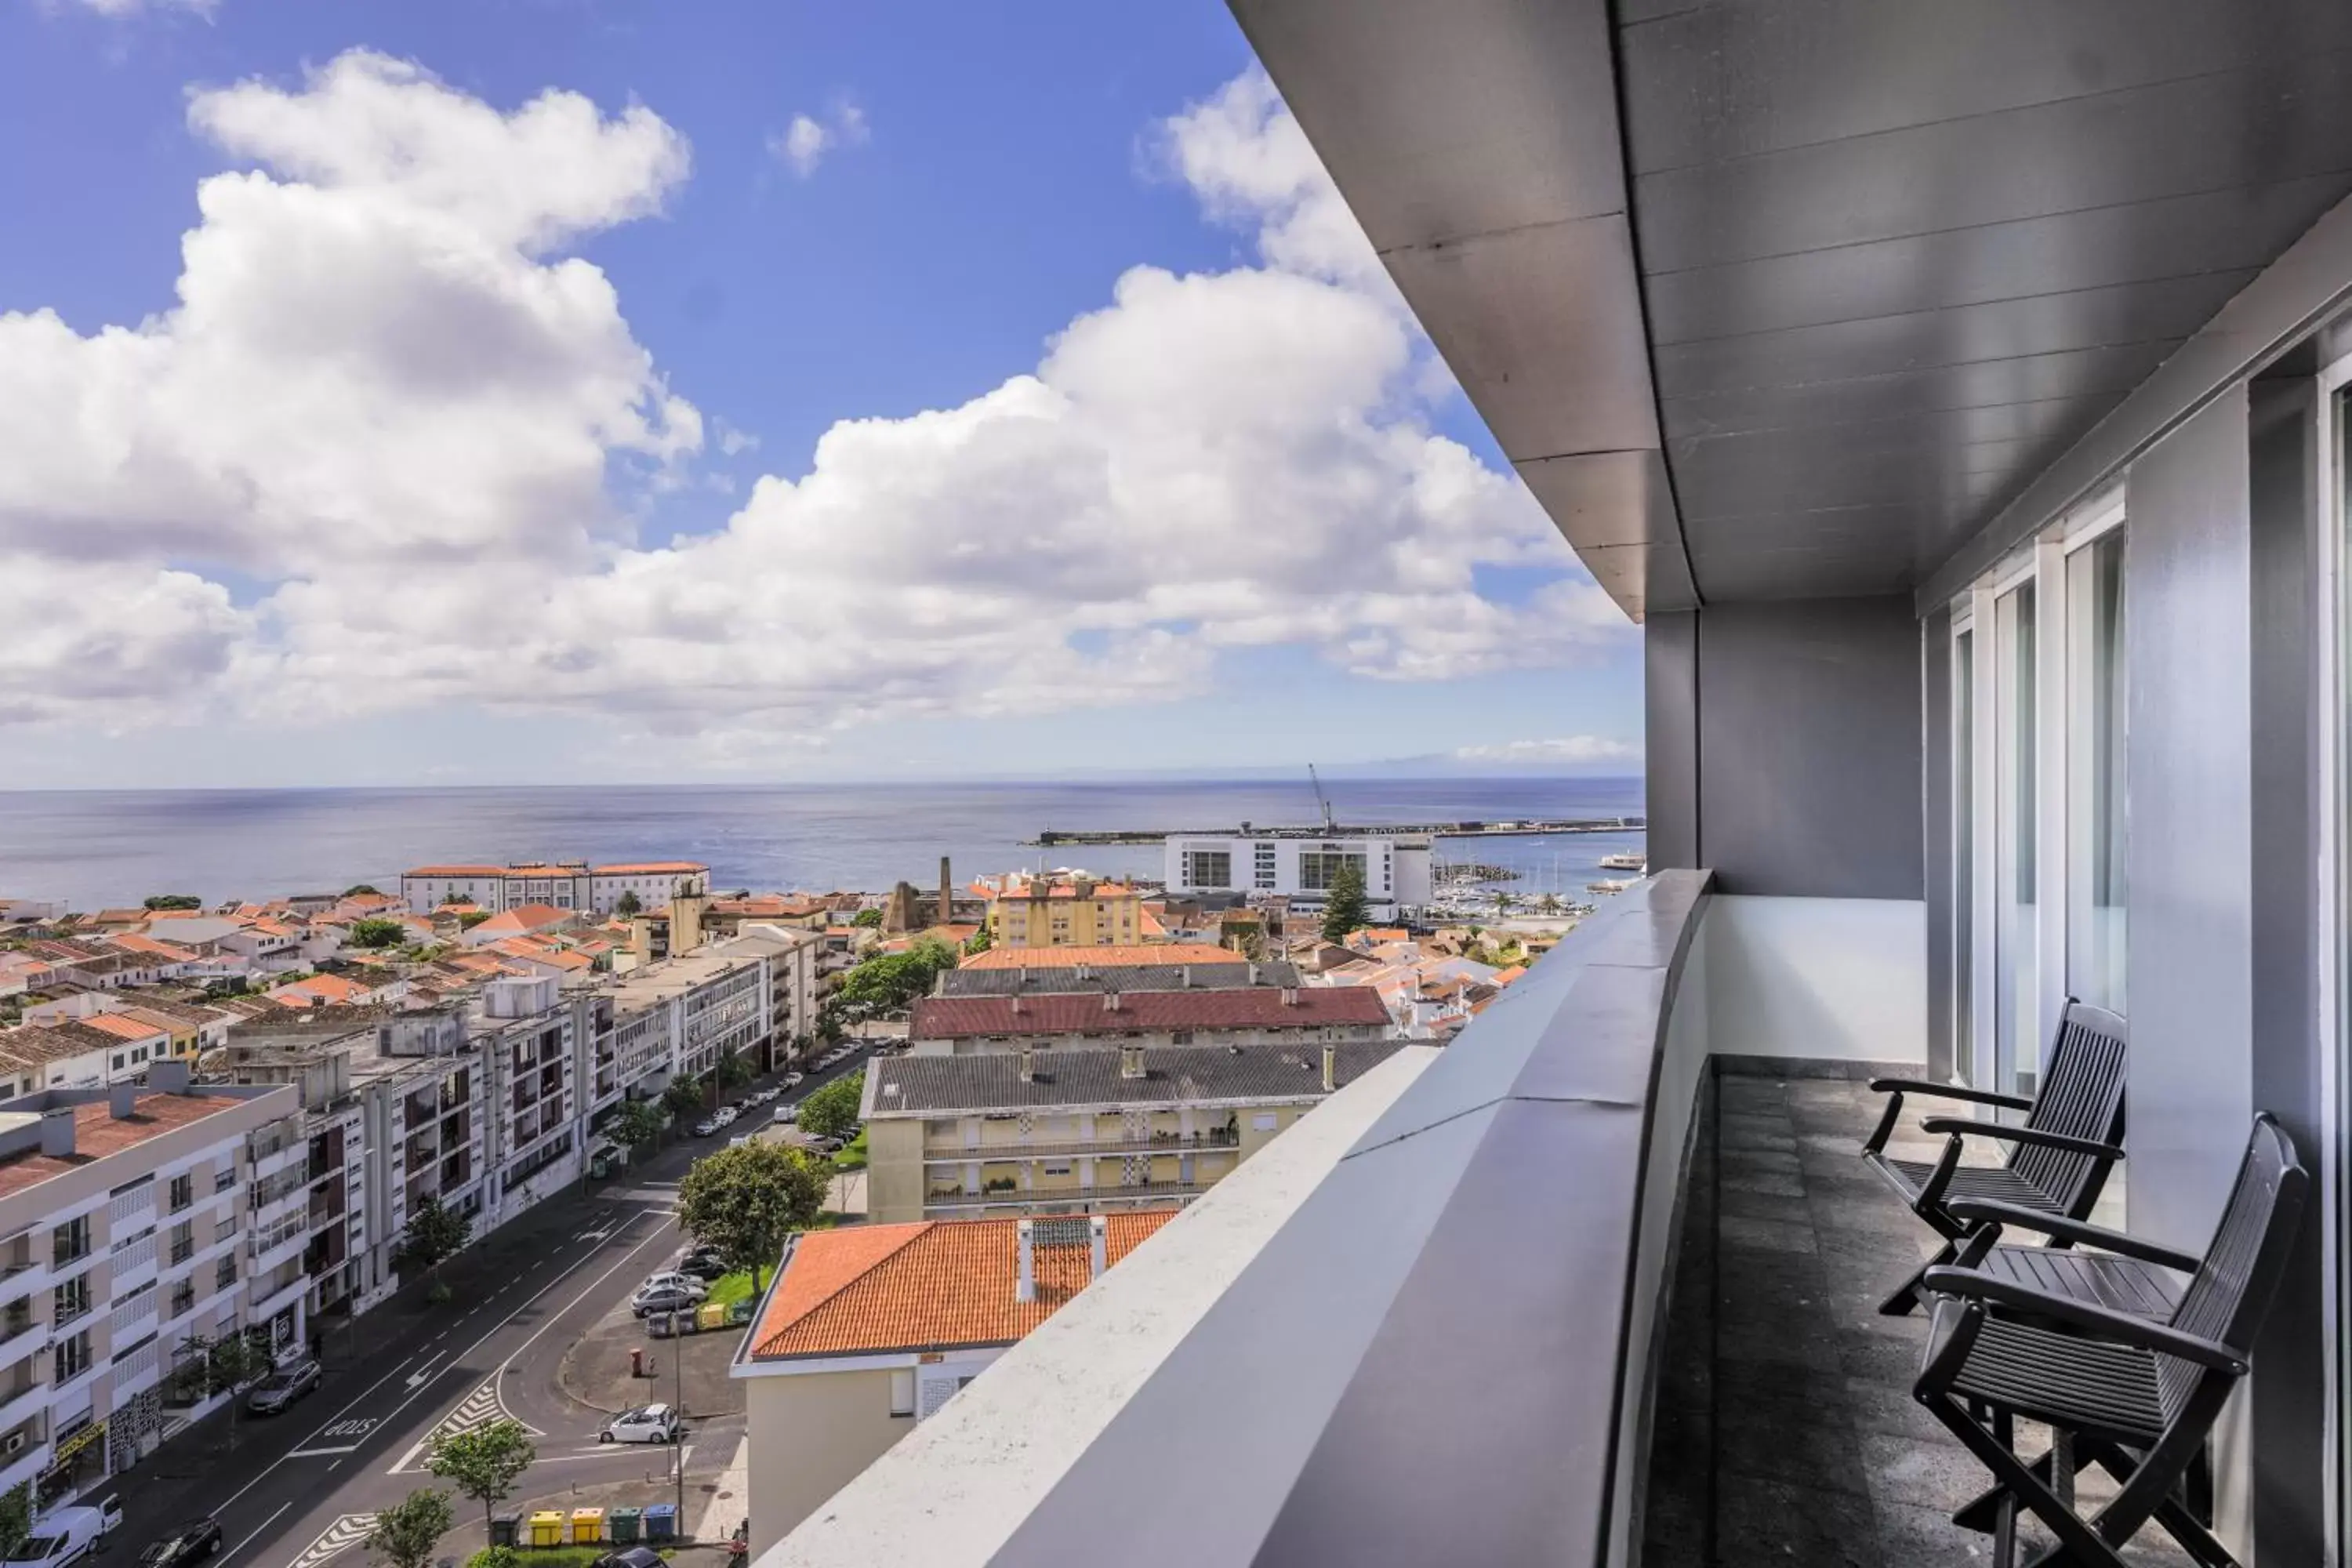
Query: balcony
x: 1525, y: 1246
x: 267, y: 1298
x: 1057, y: 1200
x: 22, y: 1398
x: 1171, y: 1144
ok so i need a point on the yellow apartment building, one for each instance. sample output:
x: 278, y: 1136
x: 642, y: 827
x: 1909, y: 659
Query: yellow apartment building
x: 1029, y: 912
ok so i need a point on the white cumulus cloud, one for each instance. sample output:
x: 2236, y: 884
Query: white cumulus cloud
x: 803, y: 143
x: 389, y: 403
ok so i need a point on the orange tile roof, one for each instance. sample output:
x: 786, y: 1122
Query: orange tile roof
x: 1504, y: 976
x: 929, y: 1285
x: 98, y: 1133
x: 1103, y: 957
x: 650, y: 868
x: 456, y: 871
x: 121, y: 1028
x: 526, y: 917
x: 132, y: 942
x: 327, y: 987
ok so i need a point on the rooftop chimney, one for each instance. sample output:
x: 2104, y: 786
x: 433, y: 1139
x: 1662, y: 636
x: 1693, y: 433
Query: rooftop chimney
x: 947, y: 900
x: 1098, y: 1236
x: 1110, y: 1001
x: 1028, y: 1063
x: 1026, y: 1289
x: 122, y: 1101
x: 1330, y: 1069
x: 58, y: 1132
x: 1290, y: 995
x: 1130, y: 1061
x: 1016, y: 1004
x: 1253, y: 974
x: 168, y: 1078
x: 1184, y: 978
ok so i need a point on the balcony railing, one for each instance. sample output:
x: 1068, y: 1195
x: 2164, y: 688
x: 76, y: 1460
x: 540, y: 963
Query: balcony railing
x: 1438, y: 1302
x: 1074, y: 1198
x: 1171, y: 1144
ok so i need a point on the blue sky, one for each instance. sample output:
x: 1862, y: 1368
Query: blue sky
x: 982, y: 178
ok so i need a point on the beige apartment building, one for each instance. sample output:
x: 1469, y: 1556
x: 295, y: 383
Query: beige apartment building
x: 870, y: 1331
x: 1237, y: 1016
x: 1075, y: 1131
x: 125, y: 1235
x: 1036, y: 912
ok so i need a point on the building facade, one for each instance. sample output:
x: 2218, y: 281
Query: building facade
x: 1234, y: 1015
x: 1083, y: 1131
x: 1301, y: 868
x: 1045, y: 912
x: 565, y: 885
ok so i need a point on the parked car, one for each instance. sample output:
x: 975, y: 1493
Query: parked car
x: 707, y: 1126
x: 793, y: 1080
x: 630, y: 1557
x: 67, y: 1535
x: 283, y: 1387
x: 193, y: 1541
x: 677, y: 1278
x: 703, y: 1263
x: 785, y: 1115
x: 667, y: 1299
x: 725, y: 1115
x: 646, y: 1423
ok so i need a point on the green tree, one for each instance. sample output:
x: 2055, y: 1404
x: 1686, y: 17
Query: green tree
x: 1505, y: 903
x: 1343, y: 908
x: 406, y: 1535
x: 981, y: 942
x: 891, y: 981
x: 15, y: 1517
x: 732, y: 1071
x: 454, y: 897
x: 360, y: 890
x: 743, y: 1201
x: 832, y: 1110
x: 220, y: 1364
x: 176, y: 901
x: 471, y: 919
x: 375, y: 932
x: 1549, y: 904
x: 628, y: 904
x: 433, y: 1234
x: 684, y: 1096
x: 637, y: 1123
x: 870, y: 920
x: 496, y: 1557
x: 485, y: 1462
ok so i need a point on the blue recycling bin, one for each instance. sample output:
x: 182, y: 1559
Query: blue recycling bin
x: 661, y: 1522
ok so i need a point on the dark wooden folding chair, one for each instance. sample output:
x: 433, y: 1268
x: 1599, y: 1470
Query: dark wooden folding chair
x: 2057, y: 1161
x: 2134, y: 1395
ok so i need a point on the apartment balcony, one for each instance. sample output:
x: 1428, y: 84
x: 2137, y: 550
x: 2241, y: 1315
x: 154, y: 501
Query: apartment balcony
x: 1612, y: 1250
x: 22, y: 1397
x: 134, y: 1264
x: 278, y: 1245
x: 272, y: 1155
x: 1199, y: 1144
x: 23, y: 1332
x: 267, y: 1298
x: 30, y: 1459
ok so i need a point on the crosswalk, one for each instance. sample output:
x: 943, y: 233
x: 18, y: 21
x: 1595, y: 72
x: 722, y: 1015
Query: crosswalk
x: 338, y: 1538
x: 480, y: 1408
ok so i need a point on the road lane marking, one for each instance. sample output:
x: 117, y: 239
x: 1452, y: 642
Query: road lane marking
x: 338, y: 1538
x: 249, y: 1540
x: 324, y: 1453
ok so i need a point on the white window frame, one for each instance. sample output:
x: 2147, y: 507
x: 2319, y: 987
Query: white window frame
x: 2331, y: 684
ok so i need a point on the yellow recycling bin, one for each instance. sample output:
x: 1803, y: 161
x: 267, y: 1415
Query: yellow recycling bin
x: 587, y: 1526
x: 712, y: 1315
x: 547, y: 1527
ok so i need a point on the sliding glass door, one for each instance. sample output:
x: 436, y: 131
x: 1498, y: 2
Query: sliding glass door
x: 2016, y: 926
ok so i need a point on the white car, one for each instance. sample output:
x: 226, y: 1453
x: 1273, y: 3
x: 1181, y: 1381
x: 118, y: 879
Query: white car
x: 67, y: 1535
x: 725, y: 1114
x: 671, y: 1280
x: 784, y: 1115
x: 646, y: 1424
x: 793, y: 1080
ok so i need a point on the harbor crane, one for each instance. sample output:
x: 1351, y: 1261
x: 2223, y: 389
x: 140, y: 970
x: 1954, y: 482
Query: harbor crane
x: 1321, y: 800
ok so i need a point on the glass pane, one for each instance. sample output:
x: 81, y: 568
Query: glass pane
x: 1963, y: 866
x: 2096, y: 817
x: 2016, y: 968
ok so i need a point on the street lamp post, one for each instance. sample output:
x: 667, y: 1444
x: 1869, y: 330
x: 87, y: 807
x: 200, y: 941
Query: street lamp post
x: 678, y: 1409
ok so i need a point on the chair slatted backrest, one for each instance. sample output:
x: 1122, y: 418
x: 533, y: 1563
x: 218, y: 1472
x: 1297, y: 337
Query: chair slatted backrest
x: 2231, y: 1292
x: 2082, y: 1096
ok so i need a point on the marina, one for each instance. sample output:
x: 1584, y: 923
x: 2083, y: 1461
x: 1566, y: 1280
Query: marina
x: 1471, y: 829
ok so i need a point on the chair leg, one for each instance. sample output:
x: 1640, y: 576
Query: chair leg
x: 2077, y: 1542
x: 2184, y: 1511
x: 1980, y: 1513
x: 1907, y: 1295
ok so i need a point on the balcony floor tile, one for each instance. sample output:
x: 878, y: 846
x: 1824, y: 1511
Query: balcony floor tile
x: 1814, y: 1451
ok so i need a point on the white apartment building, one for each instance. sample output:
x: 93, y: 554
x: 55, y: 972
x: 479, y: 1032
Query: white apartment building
x: 128, y: 1230
x: 565, y: 885
x: 532, y: 1040
x: 1301, y: 867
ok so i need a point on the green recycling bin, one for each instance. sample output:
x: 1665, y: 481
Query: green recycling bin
x: 503, y: 1528
x: 623, y: 1523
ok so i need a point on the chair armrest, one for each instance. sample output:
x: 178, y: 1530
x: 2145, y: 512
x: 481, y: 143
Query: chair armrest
x: 2161, y: 1337
x: 1963, y: 1127
x: 1949, y: 1091
x: 1983, y: 1210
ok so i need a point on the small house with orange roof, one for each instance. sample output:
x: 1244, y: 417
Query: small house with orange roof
x: 870, y: 1330
x: 334, y: 991
x: 524, y: 920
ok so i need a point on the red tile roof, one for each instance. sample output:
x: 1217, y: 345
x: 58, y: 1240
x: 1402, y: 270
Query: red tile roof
x: 456, y: 871
x: 526, y: 916
x: 1117, y: 957
x: 650, y: 868
x: 121, y: 1028
x: 98, y: 1134
x: 1083, y: 1012
x: 930, y: 1284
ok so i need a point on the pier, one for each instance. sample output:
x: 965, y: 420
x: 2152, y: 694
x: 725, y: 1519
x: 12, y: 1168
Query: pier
x: 1524, y: 829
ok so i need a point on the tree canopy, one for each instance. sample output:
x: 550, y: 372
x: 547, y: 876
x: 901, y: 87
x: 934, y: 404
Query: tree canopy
x: 406, y: 1535
x: 732, y: 1071
x: 871, y: 919
x: 485, y: 1461
x: 1344, y: 910
x: 743, y: 1201
x: 636, y: 1123
x: 361, y: 889
x: 471, y: 919
x: 628, y: 903
x: 434, y: 1232
x: 684, y: 1096
x: 831, y: 1111
x: 174, y: 901
x: 889, y: 980
x: 376, y: 932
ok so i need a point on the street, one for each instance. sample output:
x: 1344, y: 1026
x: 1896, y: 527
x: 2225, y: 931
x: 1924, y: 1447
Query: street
x: 295, y: 1491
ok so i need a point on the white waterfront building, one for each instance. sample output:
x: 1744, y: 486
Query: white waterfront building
x: 1302, y: 865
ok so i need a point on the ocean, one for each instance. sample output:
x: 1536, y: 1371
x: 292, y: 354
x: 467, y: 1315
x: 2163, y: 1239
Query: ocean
x: 97, y: 848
